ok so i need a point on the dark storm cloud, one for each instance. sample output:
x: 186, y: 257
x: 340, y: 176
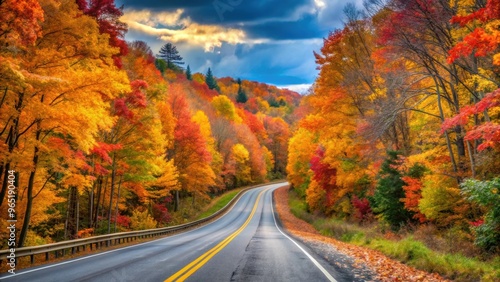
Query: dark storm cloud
x: 305, y: 28
x: 228, y: 11
x: 278, y: 39
x: 278, y: 20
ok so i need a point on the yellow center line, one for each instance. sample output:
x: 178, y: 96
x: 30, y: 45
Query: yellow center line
x: 196, y: 264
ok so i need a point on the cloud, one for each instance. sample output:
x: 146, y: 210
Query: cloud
x: 299, y: 88
x: 177, y: 28
x: 264, y: 40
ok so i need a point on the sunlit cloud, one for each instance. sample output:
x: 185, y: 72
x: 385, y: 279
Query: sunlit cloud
x: 320, y: 3
x: 174, y: 27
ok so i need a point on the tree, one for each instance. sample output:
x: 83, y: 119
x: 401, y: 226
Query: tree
x: 161, y: 65
x: 389, y: 192
x: 210, y: 81
x: 242, y: 96
x: 241, y: 157
x: 170, y: 55
x: 188, y: 73
x: 19, y: 21
x: 485, y: 193
x: 190, y: 151
x: 108, y: 18
x: 225, y: 108
x: 69, y: 66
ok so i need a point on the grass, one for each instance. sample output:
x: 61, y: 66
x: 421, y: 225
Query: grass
x: 405, y: 248
x: 218, y: 203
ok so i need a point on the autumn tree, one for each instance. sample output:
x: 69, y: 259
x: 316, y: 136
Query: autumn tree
x: 242, y: 168
x: 300, y: 151
x: 189, y: 152
x: 55, y: 78
x: 278, y: 132
x: 108, y: 18
x: 20, y: 22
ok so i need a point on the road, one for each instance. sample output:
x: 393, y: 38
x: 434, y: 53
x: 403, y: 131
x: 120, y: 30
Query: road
x: 246, y: 244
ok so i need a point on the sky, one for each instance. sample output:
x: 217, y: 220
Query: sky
x: 268, y: 41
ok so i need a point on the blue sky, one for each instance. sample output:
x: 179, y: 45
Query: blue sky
x: 268, y: 41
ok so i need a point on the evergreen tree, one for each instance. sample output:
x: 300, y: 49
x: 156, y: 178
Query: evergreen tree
x: 210, y: 81
x: 389, y: 192
x: 170, y: 55
x: 242, y: 96
x: 188, y: 73
x: 273, y: 103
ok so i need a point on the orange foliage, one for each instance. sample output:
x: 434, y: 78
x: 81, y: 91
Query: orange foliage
x: 413, y: 194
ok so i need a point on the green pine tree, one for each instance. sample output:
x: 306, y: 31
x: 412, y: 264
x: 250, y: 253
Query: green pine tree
x: 161, y: 65
x: 170, y: 55
x: 210, y: 81
x: 242, y: 96
x: 188, y: 73
x: 389, y: 192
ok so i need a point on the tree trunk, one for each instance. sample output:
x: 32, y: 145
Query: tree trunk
x: 118, y: 200
x: 31, y: 181
x: 176, y: 201
x: 96, y: 204
x: 113, y: 176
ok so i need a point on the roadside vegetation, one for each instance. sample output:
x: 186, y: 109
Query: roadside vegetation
x: 421, y: 247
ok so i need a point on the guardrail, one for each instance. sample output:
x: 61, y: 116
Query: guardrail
x: 73, y: 246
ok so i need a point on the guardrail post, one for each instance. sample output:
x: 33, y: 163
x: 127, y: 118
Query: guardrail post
x: 32, y: 259
x: 47, y: 256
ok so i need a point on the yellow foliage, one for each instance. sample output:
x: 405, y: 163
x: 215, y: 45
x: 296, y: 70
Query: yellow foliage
x: 243, y: 169
x: 315, y: 196
x: 142, y: 220
x: 301, y: 148
x: 441, y: 201
x: 225, y: 108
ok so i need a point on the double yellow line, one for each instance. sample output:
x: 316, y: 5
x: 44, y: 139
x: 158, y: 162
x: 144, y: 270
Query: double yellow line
x: 198, y: 263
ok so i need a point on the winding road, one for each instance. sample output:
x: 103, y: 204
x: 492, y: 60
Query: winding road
x: 246, y: 244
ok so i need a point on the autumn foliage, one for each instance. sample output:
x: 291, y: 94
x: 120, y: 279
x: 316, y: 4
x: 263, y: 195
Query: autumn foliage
x: 101, y: 141
x: 405, y: 109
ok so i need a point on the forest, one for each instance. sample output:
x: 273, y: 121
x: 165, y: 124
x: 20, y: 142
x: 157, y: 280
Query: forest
x: 401, y: 128
x: 100, y: 135
x: 399, y: 134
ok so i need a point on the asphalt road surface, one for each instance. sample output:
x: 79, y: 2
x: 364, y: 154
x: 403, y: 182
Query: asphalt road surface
x: 246, y: 244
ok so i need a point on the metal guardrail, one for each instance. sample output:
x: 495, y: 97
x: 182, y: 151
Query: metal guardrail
x: 60, y: 248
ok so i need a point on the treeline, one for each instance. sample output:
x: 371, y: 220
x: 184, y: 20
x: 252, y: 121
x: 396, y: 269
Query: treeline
x: 403, y: 120
x: 101, y: 140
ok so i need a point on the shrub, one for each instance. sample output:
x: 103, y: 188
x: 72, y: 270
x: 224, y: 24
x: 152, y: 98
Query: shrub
x: 486, y: 194
x: 142, y: 221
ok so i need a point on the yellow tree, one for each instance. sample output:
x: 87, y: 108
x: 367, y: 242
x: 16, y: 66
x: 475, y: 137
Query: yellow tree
x: 242, y: 168
x: 300, y: 151
x: 63, y: 87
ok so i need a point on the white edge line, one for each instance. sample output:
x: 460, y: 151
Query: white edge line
x: 314, y: 261
x: 119, y: 249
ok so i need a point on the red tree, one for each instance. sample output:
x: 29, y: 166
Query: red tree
x: 108, y: 18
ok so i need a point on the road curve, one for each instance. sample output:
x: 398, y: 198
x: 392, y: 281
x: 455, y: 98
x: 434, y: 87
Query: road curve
x: 245, y: 244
